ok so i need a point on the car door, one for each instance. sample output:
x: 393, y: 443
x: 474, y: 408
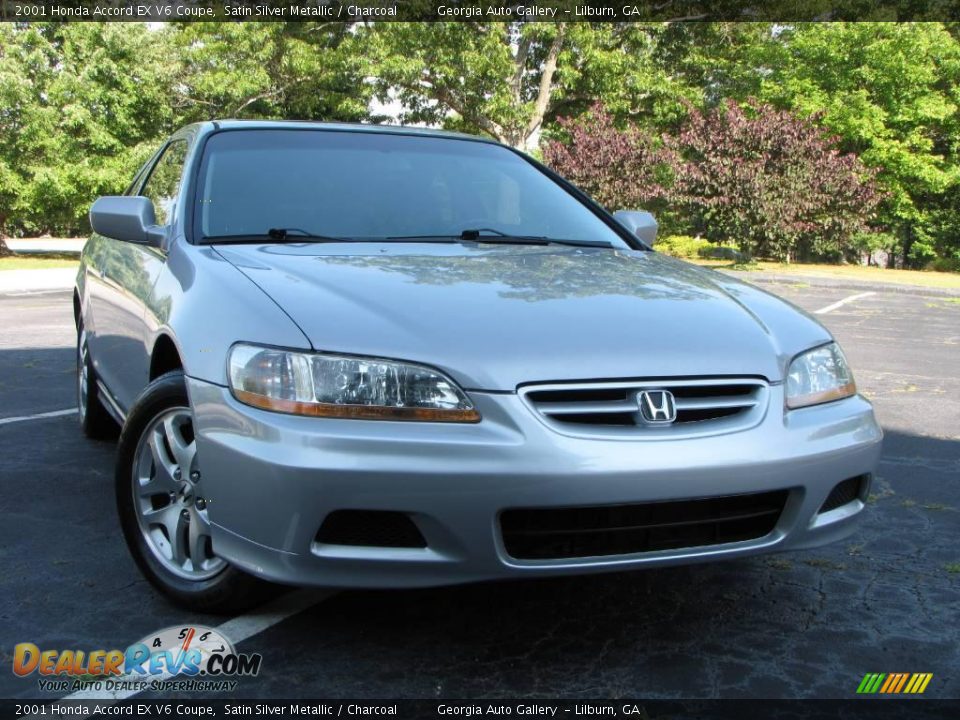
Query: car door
x: 122, y: 282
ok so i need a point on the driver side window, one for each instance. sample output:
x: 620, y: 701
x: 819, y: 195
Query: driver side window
x: 163, y: 185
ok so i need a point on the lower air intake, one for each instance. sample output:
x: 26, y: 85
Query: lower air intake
x: 544, y: 534
x: 370, y: 528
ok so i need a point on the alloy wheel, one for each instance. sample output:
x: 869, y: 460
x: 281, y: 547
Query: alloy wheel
x: 168, y: 497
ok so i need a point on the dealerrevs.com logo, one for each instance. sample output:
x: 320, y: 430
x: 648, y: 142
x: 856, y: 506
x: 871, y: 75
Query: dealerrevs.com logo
x: 175, y: 658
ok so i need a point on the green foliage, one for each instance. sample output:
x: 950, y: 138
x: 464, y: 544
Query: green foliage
x: 269, y: 70
x: 83, y: 104
x: 869, y: 242
x: 890, y: 91
x: 684, y: 246
x: 863, y: 245
x: 921, y: 253
x: 951, y: 264
x: 480, y: 78
x: 512, y: 80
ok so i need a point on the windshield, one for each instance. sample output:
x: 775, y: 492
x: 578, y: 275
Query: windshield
x: 361, y: 185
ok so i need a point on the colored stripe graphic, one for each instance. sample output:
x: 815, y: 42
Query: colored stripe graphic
x: 919, y: 683
x: 871, y: 682
x: 892, y: 680
x: 902, y: 682
x: 894, y: 683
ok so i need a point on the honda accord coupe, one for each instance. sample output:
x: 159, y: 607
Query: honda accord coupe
x: 362, y: 356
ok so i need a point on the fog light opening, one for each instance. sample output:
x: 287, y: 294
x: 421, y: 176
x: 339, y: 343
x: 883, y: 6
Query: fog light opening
x: 844, y: 493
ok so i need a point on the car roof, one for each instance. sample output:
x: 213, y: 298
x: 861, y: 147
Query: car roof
x: 233, y: 124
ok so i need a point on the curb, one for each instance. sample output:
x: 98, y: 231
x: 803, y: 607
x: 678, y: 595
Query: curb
x: 14, y: 282
x: 39, y: 246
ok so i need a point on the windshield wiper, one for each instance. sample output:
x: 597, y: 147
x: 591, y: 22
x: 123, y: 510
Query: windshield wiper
x: 276, y: 235
x: 498, y: 237
x: 502, y: 237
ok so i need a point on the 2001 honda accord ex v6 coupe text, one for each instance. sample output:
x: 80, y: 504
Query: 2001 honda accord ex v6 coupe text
x: 361, y: 356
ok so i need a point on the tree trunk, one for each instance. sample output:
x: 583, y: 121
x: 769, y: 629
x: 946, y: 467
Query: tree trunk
x: 4, y: 250
x: 545, y: 91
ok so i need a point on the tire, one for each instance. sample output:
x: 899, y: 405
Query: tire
x: 163, y: 515
x: 95, y: 421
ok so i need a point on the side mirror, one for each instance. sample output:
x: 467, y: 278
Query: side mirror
x: 640, y: 223
x: 128, y: 218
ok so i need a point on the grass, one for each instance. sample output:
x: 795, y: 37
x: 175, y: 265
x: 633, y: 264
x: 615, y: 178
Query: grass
x: 779, y: 564
x: 952, y: 568
x: 38, y: 261
x: 824, y: 564
x: 920, y: 278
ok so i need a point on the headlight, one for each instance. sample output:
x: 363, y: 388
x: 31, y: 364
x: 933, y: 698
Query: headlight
x: 340, y: 386
x: 819, y: 376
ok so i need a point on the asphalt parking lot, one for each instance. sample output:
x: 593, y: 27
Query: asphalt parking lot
x: 801, y: 625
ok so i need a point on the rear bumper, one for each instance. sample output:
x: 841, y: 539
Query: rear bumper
x: 272, y: 479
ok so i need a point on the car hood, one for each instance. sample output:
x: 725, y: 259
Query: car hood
x: 495, y: 317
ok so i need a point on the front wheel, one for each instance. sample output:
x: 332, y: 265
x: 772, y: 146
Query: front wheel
x: 163, y: 509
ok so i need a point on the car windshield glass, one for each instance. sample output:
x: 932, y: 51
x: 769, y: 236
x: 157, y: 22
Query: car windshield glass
x: 363, y: 185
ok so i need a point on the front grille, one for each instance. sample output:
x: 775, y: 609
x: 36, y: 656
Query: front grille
x: 704, y: 406
x: 546, y: 534
x: 845, y: 492
x: 370, y: 528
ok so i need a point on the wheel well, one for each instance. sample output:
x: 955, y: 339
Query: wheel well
x: 165, y: 357
x: 76, y: 309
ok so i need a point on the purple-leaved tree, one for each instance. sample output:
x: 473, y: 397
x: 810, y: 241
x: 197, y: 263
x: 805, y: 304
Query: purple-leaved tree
x: 771, y: 182
x: 619, y: 168
x: 759, y: 177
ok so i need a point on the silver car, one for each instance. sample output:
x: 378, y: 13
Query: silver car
x: 365, y: 356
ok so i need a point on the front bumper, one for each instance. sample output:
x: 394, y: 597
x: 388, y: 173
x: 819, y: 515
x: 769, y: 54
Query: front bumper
x: 271, y: 479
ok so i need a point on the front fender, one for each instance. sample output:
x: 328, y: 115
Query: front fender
x: 205, y: 305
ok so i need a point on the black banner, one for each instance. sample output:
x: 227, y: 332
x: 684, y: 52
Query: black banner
x: 867, y: 709
x: 478, y: 10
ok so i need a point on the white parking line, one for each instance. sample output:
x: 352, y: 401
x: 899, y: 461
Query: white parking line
x: 236, y: 630
x: 841, y: 303
x: 38, y: 416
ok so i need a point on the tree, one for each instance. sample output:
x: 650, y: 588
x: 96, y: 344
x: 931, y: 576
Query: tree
x: 619, y: 168
x: 715, y: 61
x: 14, y: 87
x: 285, y: 70
x: 890, y: 92
x: 508, y: 80
x: 82, y: 105
x: 774, y: 183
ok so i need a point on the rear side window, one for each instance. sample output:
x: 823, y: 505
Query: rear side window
x: 163, y: 185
